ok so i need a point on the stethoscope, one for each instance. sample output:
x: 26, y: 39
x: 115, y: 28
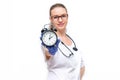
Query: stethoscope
x: 74, y: 48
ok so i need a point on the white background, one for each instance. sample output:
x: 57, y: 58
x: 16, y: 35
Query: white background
x: 95, y: 22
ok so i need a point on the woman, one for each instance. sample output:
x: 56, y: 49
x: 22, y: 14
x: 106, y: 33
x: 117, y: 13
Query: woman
x: 66, y: 63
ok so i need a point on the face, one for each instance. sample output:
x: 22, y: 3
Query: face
x: 59, y: 18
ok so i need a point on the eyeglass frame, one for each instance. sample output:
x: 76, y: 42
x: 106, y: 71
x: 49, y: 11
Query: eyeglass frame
x: 56, y: 17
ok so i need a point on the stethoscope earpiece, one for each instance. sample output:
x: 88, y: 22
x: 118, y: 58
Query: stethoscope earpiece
x: 75, y: 49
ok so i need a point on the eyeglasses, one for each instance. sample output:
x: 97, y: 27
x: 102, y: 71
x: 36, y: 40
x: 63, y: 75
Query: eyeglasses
x: 56, y: 17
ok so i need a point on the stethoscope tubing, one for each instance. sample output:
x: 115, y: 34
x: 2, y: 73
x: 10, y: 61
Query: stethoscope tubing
x: 74, y: 48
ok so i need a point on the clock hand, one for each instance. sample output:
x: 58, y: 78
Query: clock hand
x: 50, y: 37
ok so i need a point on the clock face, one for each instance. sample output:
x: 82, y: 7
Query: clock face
x: 49, y: 38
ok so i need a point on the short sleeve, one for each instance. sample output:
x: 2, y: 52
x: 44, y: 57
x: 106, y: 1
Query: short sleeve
x: 82, y: 62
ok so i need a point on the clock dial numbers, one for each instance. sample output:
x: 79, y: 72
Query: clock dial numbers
x: 49, y: 38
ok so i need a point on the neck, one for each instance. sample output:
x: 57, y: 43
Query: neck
x: 61, y: 33
x: 64, y: 38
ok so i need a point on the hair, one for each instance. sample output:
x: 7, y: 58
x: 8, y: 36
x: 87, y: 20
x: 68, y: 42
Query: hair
x: 57, y: 5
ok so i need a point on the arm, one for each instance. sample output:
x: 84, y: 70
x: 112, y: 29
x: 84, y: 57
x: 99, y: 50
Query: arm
x: 50, y: 50
x: 82, y: 70
x: 47, y: 55
x: 46, y: 52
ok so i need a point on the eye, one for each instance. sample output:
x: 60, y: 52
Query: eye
x: 64, y: 16
x: 55, y: 17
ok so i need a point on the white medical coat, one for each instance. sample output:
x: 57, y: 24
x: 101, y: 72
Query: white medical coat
x: 61, y: 67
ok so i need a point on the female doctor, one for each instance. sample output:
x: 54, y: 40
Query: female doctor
x: 65, y: 62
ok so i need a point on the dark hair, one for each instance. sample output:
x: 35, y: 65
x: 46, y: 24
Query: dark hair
x: 57, y: 5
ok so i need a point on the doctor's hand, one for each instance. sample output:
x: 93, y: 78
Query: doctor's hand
x: 52, y: 49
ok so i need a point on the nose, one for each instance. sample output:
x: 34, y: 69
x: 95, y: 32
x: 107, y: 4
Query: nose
x: 60, y: 19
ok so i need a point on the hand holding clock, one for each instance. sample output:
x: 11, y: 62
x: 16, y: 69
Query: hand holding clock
x: 50, y: 41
